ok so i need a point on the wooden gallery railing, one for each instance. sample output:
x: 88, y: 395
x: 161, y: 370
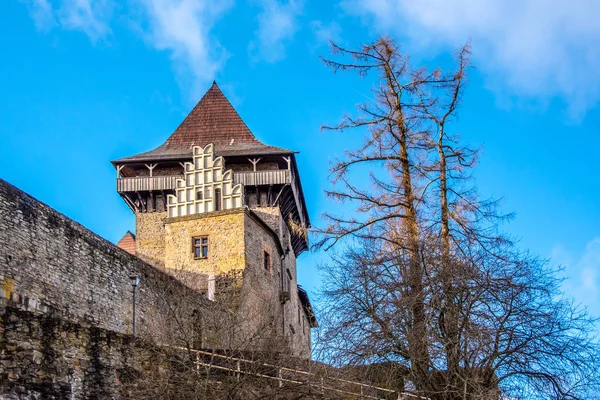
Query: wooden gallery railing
x: 150, y: 183
x: 147, y: 183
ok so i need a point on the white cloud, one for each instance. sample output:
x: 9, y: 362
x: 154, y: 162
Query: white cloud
x: 534, y: 49
x: 182, y: 27
x: 277, y: 24
x: 90, y: 16
x: 582, y: 273
x: 42, y: 14
x: 325, y: 32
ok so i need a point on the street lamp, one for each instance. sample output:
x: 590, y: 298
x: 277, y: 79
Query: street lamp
x: 135, y: 281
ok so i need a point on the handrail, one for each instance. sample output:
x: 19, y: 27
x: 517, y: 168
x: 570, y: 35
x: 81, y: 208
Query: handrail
x: 169, y: 182
x: 300, y: 372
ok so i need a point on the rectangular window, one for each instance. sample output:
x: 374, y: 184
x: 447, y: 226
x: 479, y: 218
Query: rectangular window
x: 200, y: 247
x: 218, y: 200
x: 287, y: 279
x: 267, y: 260
x: 199, y: 195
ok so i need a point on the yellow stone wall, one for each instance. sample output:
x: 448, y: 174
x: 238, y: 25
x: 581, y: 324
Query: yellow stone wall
x: 225, y: 230
x: 237, y: 242
x: 150, y: 237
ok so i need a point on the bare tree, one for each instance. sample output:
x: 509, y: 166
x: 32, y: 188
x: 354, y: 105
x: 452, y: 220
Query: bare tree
x: 424, y: 279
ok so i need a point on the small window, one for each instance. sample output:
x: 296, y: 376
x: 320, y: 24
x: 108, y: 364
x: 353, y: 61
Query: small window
x: 218, y: 199
x: 200, y: 247
x: 287, y: 278
x: 199, y: 195
x: 266, y: 260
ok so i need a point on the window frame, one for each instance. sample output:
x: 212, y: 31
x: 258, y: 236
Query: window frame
x: 200, y: 246
x: 267, y: 261
x: 218, y: 199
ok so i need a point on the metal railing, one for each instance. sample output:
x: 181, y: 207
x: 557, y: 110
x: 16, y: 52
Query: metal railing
x: 296, y: 376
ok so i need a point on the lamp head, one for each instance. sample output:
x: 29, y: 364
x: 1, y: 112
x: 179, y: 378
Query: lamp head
x: 135, y: 279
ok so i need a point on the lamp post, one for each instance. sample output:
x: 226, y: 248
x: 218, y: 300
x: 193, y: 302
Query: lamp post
x: 135, y: 281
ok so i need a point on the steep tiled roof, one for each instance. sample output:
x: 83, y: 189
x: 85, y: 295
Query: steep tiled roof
x: 127, y: 243
x: 213, y: 120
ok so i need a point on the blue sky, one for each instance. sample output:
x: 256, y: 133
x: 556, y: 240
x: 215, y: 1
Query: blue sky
x: 83, y: 82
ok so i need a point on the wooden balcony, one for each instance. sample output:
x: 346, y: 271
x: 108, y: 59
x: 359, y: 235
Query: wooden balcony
x: 152, y: 183
x: 147, y: 183
x: 276, y: 177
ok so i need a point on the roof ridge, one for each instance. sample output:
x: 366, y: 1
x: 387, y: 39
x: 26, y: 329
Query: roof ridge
x: 212, y: 120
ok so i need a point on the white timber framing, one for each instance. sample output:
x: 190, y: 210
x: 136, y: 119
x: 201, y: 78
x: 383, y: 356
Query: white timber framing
x: 204, y: 179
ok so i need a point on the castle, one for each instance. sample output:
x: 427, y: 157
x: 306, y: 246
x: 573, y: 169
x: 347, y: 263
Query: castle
x: 214, y: 202
x: 220, y: 222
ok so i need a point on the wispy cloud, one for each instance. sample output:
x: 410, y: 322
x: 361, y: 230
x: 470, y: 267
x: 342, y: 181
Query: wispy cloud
x: 182, y: 27
x: 89, y: 16
x: 533, y: 49
x: 325, y: 32
x: 583, y: 272
x: 42, y: 14
x: 277, y: 24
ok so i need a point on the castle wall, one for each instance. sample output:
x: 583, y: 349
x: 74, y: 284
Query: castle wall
x: 46, y: 357
x: 236, y: 249
x: 297, y: 328
x: 49, y: 358
x: 50, y: 264
x: 292, y: 318
x: 225, y: 230
x: 150, y: 237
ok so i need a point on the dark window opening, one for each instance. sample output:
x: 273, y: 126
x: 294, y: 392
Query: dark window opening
x: 267, y: 260
x: 218, y: 204
x: 287, y: 278
x: 200, y: 247
x: 199, y: 195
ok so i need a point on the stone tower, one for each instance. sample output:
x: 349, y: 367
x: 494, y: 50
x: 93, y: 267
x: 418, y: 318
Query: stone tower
x: 214, y: 204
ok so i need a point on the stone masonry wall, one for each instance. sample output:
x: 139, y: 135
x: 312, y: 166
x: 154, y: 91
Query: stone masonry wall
x: 290, y: 315
x: 150, y: 237
x: 52, y: 265
x: 44, y: 357
x: 225, y: 231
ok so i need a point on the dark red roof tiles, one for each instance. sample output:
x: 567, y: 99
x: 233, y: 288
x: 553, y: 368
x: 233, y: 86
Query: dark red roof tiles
x: 213, y: 120
x: 127, y: 243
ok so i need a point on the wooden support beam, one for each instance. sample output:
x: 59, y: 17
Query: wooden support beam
x: 164, y: 198
x: 279, y: 194
x: 289, y: 162
x: 152, y: 202
x: 254, y: 161
x: 269, y: 197
x: 142, y: 207
x: 130, y: 203
x: 119, y: 168
x: 151, y: 167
